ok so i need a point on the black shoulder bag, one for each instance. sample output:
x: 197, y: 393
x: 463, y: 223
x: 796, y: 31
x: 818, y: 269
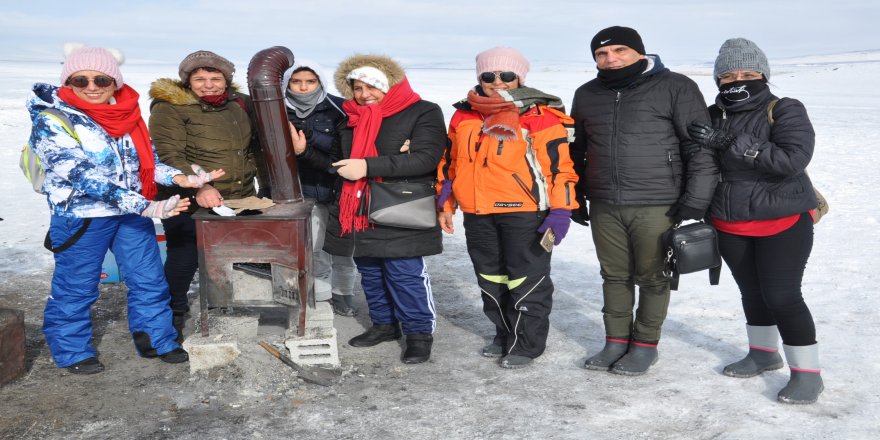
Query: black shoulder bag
x: 691, y: 248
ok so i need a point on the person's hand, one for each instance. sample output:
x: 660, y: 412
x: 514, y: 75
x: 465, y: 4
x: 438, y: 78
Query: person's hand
x: 163, y: 209
x: 558, y: 220
x: 445, y: 220
x: 709, y: 137
x: 299, y: 139
x: 581, y: 214
x: 445, y: 192
x: 351, y: 169
x: 679, y: 213
x: 199, y: 179
x: 209, y: 197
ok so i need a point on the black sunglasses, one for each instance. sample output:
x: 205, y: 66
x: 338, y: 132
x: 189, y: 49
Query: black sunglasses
x: 489, y: 77
x: 83, y: 81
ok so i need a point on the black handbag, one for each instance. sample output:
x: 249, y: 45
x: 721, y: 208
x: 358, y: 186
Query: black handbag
x: 691, y: 248
x: 408, y: 205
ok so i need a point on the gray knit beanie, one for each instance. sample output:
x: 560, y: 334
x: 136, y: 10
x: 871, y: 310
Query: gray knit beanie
x: 741, y: 54
x: 205, y: 58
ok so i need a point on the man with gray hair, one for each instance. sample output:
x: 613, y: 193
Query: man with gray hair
x: 642, y: 174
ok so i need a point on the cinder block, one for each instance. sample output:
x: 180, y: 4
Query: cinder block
x: 211, y: 352
x: 320, y: 350
x: 12, y: 348
x: 319, y: 317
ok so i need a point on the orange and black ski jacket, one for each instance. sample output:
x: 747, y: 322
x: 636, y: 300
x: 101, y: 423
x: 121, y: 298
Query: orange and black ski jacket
x: 532, y: 173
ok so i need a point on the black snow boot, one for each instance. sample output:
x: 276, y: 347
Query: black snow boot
x: 343, y: 305
x: 376, y: 334
x: 515, y: 361
x: 418, y: 349
x: 143, y: 345
x: 87, y: 366
x: 805, y: 383
x: 176, y: 356
x: 637, y: 360
x: 614, y: 349
x: 763, y: 353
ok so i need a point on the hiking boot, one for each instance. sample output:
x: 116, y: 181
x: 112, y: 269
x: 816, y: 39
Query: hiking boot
x: 805, y: 383
x: 515, y: 361
x: 87, y: 366
x: 418, y: 349
x: 637, y: 360
x: 376, y: 334
x: 493, y: 350
x: 343, y: 305
x: 176, y: 356
x: 756, y: 362
x: 603, y: 360
x: 179, y: 322
x: 143, y: 345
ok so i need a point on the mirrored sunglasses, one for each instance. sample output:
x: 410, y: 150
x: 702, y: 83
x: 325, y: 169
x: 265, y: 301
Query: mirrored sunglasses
x: 83, y: 81
x: 489, y: 77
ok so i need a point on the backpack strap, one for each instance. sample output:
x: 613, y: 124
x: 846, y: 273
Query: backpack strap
x: 63, y: 119
x: 47, y: 242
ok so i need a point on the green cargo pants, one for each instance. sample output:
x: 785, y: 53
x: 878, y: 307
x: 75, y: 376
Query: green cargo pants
x: 627, y: 240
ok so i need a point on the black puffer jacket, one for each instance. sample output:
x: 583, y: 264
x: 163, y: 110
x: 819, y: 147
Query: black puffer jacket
x: 324, y: 121
x: 773, y: 184
x: 628, y: 143
x: 421, y: 123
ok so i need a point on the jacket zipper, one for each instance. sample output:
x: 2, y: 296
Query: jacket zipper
x: 614, y: 174
x: 525, y: 188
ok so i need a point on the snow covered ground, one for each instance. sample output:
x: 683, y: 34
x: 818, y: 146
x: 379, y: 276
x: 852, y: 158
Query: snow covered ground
x: 459, y: 394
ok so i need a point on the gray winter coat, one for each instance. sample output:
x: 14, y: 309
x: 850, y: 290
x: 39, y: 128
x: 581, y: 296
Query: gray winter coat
x: 762, y: 173
x: 629, y: 143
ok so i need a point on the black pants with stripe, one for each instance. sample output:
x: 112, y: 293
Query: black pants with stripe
x: 513, y: 272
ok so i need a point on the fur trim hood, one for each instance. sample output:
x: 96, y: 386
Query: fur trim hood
x: 173, y: 92
x: 392, y: 69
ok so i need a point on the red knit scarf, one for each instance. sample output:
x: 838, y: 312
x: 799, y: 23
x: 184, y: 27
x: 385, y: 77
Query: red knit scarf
x: 367, y: 120
x: 117, y: 120
x: 216, y: 100
x: 500, y: 117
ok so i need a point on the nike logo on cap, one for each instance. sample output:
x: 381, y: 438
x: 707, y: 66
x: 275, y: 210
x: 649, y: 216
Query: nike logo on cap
x: 603, y: 42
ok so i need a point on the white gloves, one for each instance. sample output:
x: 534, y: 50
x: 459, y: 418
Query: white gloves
x: 162, y: 209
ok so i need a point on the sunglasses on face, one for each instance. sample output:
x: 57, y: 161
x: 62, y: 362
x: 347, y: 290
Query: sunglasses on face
x: 489, y: 77
x: 83, y: 81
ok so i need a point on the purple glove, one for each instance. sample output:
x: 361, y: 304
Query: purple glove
x: 445, y: 192
x: 558, y: 220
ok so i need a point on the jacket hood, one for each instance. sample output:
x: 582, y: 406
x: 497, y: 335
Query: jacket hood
x: 173, y: 92
x: 324, y: 75
x: 392, y: 69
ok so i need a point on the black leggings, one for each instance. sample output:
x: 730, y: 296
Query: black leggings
x: 183, y: 258
x: 769, y: 272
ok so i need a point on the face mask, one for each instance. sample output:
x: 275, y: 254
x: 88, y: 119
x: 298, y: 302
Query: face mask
x: 618, y: 78
x: 739, y: 91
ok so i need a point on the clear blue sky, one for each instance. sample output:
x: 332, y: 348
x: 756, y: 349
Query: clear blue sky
x: 421, y: 32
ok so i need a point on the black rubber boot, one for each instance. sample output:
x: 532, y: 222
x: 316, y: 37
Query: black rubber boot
x: 176, y: 356
x: 763, y: 353
x: 418, y: 349
x: 493, y: 350
x: 343, y: 305
x: 376, y: 334
x: 87, y: 366
x: 179, y: 322
x: 143, y: 345
x: 637, y: 360
x: 515, y: 361
x: 614, y: 349
x: 805, y: 383
x: 756, y: 362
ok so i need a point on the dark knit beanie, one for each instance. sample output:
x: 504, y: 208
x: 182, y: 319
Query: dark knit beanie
x: 741, y: 54
x: 205, y: 58
x: 617, y: 35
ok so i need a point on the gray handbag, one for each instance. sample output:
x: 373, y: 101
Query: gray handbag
x: 408, y: 205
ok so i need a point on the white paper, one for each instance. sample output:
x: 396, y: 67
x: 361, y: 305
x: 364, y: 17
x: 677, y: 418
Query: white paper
x: 224, y: 211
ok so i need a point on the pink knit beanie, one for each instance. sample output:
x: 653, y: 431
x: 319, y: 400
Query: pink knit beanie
x: 503, y: 59
x: 102, y: 60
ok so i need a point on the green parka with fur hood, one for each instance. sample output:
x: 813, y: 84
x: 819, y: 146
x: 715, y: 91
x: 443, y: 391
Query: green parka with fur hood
x: 188, y: 131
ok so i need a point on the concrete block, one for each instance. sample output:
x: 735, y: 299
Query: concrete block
x: 319, y: 348
x: 12, y: 348
x: 211, y: 352
x: 319, y: 317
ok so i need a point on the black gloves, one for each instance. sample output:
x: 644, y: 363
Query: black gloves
x: 581, y: 214
x: 679, y: 213
x: 709, y: 137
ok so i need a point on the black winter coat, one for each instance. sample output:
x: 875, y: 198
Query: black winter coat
x: 774, y: 183
x: 422, y: 123
x: 325, y: 121
x: 628, y: 143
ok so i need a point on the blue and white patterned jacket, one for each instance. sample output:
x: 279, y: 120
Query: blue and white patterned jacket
x: 96, y: 176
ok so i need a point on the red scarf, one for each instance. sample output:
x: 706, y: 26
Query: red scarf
x: 117, y: 120
x: 216, y: 100
x: 500, y: 117
x: 367, y: 120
